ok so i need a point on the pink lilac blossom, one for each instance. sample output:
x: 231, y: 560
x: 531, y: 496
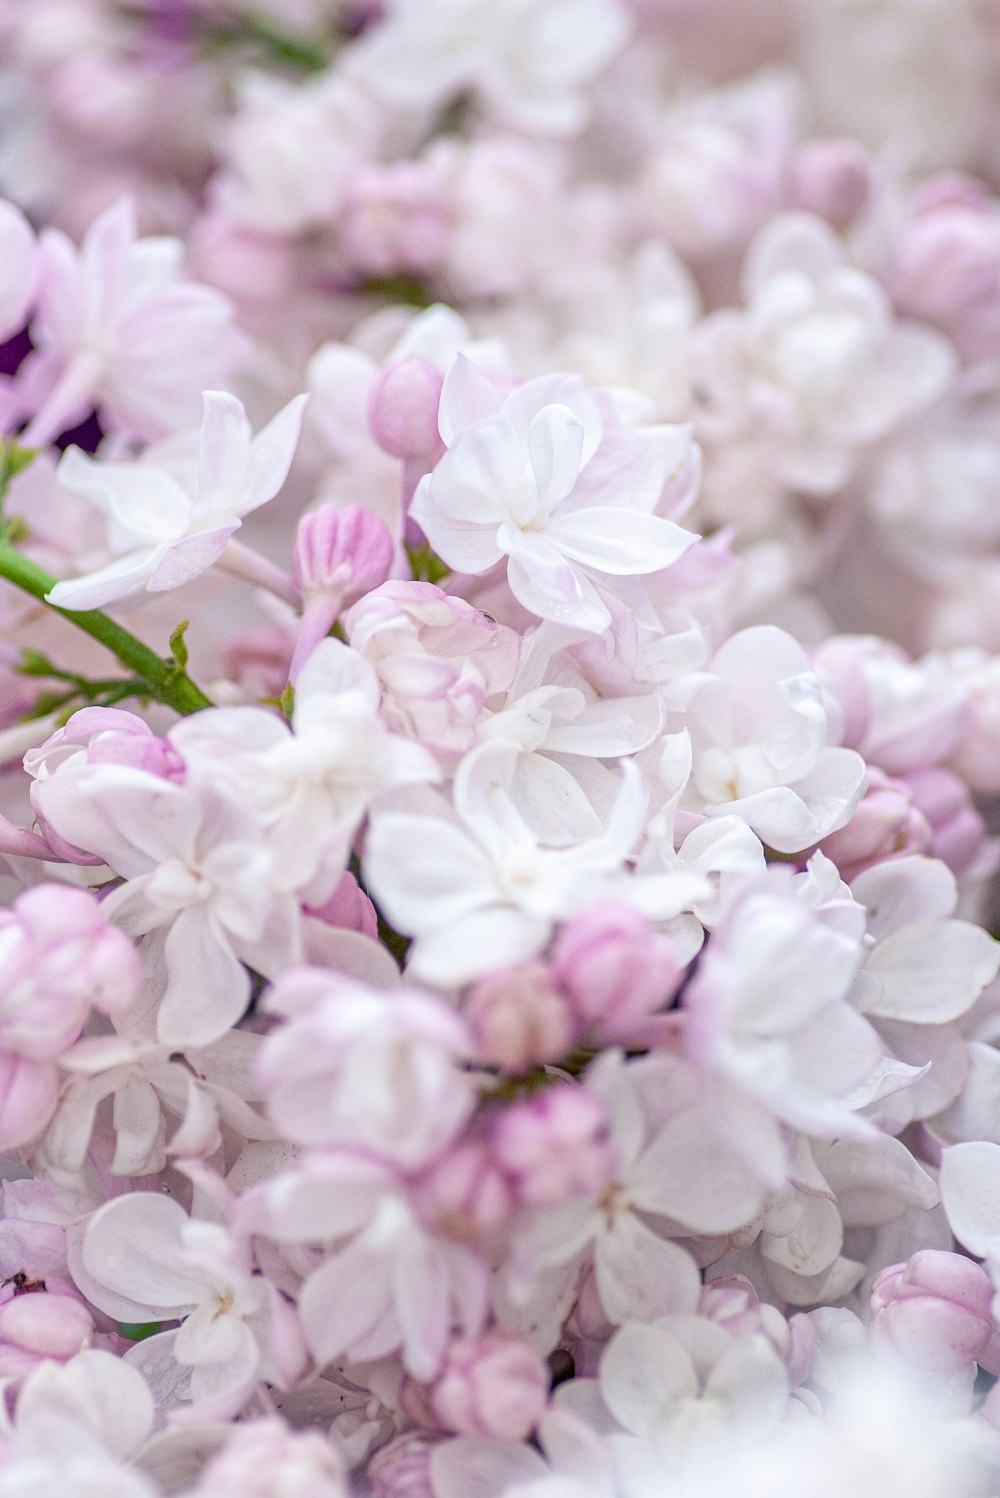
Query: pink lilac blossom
x: 498, y: 992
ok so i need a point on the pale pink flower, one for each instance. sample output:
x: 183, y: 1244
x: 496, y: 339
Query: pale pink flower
x: 761, y: 742
x: 529, y: 65
x: 887, y: 823
x: 351, y: 1066
x: 498, y: 890
x: 310, y: 782
x: 262, y: 1458
x: 143, y: 1259
x: 616, y: 970
x: 815, y: 369
x: 339, y: 556
x: 167, y: 524
x: 197, y: 872
x: 120, y: 329
x: 539, y: 479
x: 386, y: 1282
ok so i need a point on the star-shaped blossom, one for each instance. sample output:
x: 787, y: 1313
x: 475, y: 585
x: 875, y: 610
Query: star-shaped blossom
x: 166, y: 524
x: 540, y: 479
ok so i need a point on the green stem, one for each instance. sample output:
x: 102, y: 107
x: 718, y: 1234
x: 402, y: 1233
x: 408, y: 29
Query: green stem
x: 165, y: 679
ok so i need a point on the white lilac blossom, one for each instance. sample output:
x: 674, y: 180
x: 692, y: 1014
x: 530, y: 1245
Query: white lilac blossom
x: 169, y: 519
x: 507, y: 1004
x: 534, y: 478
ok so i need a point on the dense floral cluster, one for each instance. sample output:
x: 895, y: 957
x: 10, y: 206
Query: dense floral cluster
x: 503, y: 1004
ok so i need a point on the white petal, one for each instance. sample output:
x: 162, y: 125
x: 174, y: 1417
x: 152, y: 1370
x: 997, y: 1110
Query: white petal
x: 970, y: 1194
x: 622, y: 541
x: 645, y: 1372
x: 642, y: 1275
x: 928, y: 973
x: 130, y: 1255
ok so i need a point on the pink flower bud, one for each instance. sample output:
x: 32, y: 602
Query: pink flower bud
x: 402, y: 1469
x: 466, y: 1196
x: 885, y: 825
x: 264, y: 1458
x: 958, y: 832
x: 615, y: 969
x: 339, y: 556
x: 491, y: 1385
x: 106, y: 735
x: 248, y: 263
x: 58, y: 957
x: 519, y: 1018
x: 395, y: 219
x: 403, y: 409
x: 947, y: 261
x: 935, y: 1312
x: 29, y: 1093
x: 48, y: 1322
x: 554, y: 1146
x: 349, y: 908
x: 341, y: 553
x: 832, y: 178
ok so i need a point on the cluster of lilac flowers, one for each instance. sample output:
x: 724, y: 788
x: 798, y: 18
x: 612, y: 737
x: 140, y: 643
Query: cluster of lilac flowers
x: 499, y: 728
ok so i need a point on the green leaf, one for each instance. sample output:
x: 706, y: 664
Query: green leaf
x: 287, y: 701
x: 138, y: 1331
x: 14, y: 459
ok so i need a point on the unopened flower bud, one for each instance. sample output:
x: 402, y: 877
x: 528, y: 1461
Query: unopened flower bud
x: 395, y: 218
x: 48, y: 1321
x: 344, y: 553
x: 491, y: 1385
x: 29, y: 1093
x: 403, y: 409
x: 58, y: 958
x: 264, y: 1459
x: 832, y: 178
x: 615, y: 969
x: 402, y: 1469
x: 958, y: 832
x: 348, y: 908
x: 554, y: 1146
x: 935, y: 1312
x: 466, y: 1196
x: 519, y: 1018
x: 887, y: 824
x: 339, y: 556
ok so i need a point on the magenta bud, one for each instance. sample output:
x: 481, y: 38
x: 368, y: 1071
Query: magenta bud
x: 833, y: 179
x: 403, y: 409
x: 615, y: 969
x: 519, y: 1018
